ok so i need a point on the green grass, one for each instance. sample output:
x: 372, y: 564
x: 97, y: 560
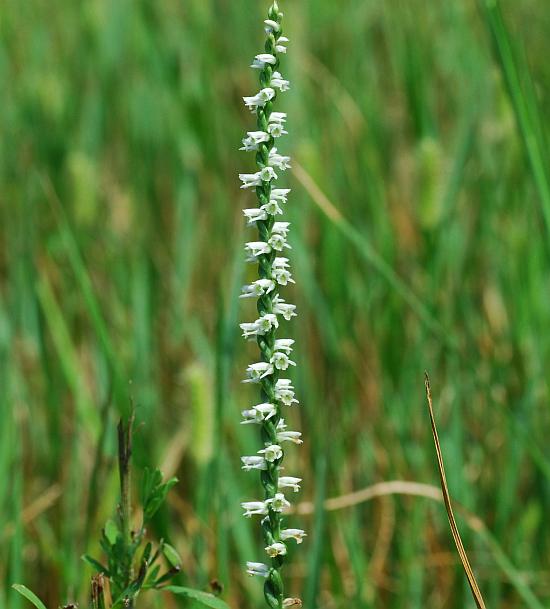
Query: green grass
x: 420, y: 239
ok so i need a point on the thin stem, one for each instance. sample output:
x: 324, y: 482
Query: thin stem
x: 124, y: 468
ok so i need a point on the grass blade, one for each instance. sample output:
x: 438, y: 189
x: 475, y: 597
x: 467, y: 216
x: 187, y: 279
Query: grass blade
x: 29, y: 595
x: 476, y: 592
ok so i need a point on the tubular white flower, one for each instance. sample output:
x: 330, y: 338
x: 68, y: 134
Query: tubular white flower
x: 277, y: 117
x: 279, y: 82
x: 271, y: 453
x: 278, y: 242
x: 264, y: 58
x: 266, y: 323
x: 289, y: 482
x: 296, y: 534
x: 284, y: 344
x: 276, y: 549
x: 267, y: 174
x: 277, y: 160
x: 272, y: 208
x: 256, y: 372
x: 255, y: 214
x: 280, y: 361
x: 280, y: 272
x: 250, y: 179
x: 280, y: 307
x: 256, y: 248
x: 257, y: 568
x: 280, y: 194
x: 249, y: 329
x: 276, y: 130
x: 260, y: 99
x: 251, y: 416
x: 280, y: 228
x: 290, y: 436
x: 252, y: 508
x: 258, y: 288
x: 284, y: 391
x: 253, y: 140
x: 259, y: 413
x: 253, y: 462
x: 278, y: 503
x: 272, y: 26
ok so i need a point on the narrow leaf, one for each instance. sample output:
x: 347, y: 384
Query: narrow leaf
x: 206, y: 599
x: 476, y: 593
x: 29, y: 595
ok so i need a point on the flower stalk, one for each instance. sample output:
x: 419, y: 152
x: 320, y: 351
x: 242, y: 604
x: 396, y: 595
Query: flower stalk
x: 267, y: 252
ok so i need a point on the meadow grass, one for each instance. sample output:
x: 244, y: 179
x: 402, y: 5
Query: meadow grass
x: 420, y: 216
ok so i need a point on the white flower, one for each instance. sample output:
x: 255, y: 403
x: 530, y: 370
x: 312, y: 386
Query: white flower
x: 254, y: 139
x: 267, y: 174
x: 280, y: 361
x: 266, y: 323
x: 250, y: 179
x: 255, y: 214
x: 290, y: 436
x: 259, y: 413
x: 284, y: 391
x: 280, y: 307
x: 271, y: 453
x: 256, y: 248
x: 296, y: 534
x: 289, y: 482
x: 260, y: 99
x: 258, y: 371
x: 251, y: 416
x: 258, y: 288
x: 263, y: 58
x: 280, y: 271
x: 272, y: 208
x: 276, y: 129
x: 254, y: 462
x: 249, y: 329
x: 278, y: 242
x: 282, y: 276
x: 277, y: 117
x: 257, y: 568
x: 272, y: 26
x: 292, y: 602
x: 278, y: 81
x: 280, y: 194
x: 277, y: 160
x: 279, y: 47
x: 254, y: 507
x: 278, y: 503
x: 276, y: 549
x: 280, y: 228
x: 267, y: 410
x: 284, y: 344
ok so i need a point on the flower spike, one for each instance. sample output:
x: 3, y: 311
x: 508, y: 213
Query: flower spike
x: 267, y: 250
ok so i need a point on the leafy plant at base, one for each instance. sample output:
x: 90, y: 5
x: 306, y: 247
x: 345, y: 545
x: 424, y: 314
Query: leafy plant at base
x: 132, y: 563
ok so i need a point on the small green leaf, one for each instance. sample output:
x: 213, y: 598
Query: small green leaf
x: 206, y: 599
x: 111, y: 531
x: 171, y: 555
x: 95, y: 564
x: 29, y: 595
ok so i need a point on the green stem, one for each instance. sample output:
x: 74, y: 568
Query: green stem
x: 124, y: 468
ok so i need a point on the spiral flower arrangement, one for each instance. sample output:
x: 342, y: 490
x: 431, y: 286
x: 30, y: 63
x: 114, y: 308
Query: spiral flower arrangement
x: 276, y: 392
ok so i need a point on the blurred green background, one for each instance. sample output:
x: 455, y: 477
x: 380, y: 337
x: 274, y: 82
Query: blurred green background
x: 421, y: 223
